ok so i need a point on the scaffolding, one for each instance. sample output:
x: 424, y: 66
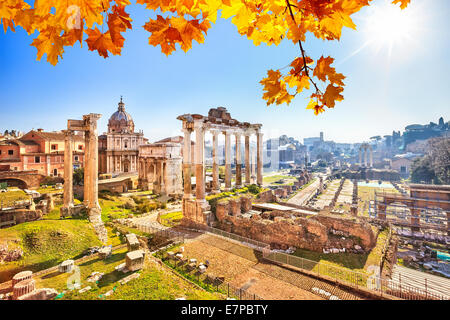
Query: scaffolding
x: 416, y: 213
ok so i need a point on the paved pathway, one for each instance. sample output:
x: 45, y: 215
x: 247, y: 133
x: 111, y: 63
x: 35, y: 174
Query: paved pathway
x: 303, y: 195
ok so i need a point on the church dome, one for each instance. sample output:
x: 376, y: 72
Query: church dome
x: 121, y: 121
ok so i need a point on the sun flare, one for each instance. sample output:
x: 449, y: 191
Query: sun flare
x: 387, y: 26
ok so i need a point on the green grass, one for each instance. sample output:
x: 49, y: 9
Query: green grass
x: 49, y: 189
x: 113, y: 209
x: 351, y: 261
x: 289, y: 180
x: 154, y: 282
x: 13, y: 195
x: 46, y: 243
x: 168, y: 218
x: 50, y: 241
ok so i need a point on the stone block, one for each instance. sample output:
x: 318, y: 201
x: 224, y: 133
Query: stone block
x: 246, y: 204
x: 66, y: 266
x: 40, y: 294
x: 104, y: 252
x: 235, y: 205
x: 134, y: 260
x: 132, y: 242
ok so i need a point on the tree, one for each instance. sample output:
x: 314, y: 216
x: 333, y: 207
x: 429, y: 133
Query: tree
x: 435, y: 166
x: 440, y: 158
x: 78, y: 176
x: 422, y: 171
x: 63, y: 23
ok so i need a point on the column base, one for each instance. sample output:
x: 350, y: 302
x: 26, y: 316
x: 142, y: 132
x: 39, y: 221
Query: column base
x: 66, y: 211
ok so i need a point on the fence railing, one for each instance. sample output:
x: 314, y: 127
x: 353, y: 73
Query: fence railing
x: 385, y: 248
x: 338, y: 274
x: 167, y: 234
x: 203, y: 279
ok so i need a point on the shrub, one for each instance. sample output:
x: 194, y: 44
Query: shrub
x: 254, y: 189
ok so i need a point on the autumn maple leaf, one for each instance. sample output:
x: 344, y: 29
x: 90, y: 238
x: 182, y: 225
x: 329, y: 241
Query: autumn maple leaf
x: 101, y: 42
x: 315, y: 106
x: 403, y: 3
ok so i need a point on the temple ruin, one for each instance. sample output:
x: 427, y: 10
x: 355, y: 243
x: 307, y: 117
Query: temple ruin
x: 363, y: 149
x: 218, y: 121
x: 89, y: 127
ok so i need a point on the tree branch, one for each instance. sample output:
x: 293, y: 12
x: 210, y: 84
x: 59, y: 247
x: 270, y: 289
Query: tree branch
x: 305, y: 67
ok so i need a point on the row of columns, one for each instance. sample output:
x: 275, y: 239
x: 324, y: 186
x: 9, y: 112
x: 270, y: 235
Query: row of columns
x: 199, y: 160
x: 114, y: 161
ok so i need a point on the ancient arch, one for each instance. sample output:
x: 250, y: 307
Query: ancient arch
x: 24, y: 179
x: 19, y: 183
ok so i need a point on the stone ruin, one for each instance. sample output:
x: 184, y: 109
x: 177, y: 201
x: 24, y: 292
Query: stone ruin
x: 160, y: 168
x: 23, y: 287
x: 135, y: 257
x: 218, y: 121
x: 287, y: 229
x: 90, y: 203
x: 303, y: 178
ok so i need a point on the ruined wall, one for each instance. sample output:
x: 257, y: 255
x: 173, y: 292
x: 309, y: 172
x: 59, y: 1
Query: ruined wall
x: 281, y: 230
x: 266, y: 196
x: 353, y: 228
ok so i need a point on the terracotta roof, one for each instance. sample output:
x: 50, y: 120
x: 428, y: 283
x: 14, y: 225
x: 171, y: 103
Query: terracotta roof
x: 55, y: 136
x: 176, y: 139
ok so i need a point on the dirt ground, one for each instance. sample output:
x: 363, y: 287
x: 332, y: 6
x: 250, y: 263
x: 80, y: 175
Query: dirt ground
x: 243, y: 268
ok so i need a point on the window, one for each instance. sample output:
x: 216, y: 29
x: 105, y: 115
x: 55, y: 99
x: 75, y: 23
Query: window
x: 75, y: 158
x: 55, y: 172
x: 54, y: 147
x: 403, y: 169
x: 80, y: 147
x: 10, y: 152
x: 37, y: 159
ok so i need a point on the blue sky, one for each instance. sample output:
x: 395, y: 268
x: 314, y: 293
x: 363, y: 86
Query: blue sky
x: 383, y: 92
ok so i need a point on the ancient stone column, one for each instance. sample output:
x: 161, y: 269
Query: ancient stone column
x: 247, y: 159
x: 23, y: 287
x: 187, y: 163
x: 365, y: 157
x: 216, y: 184
x: 68, y: 174
x: 162, y: 184
x: 253, y: 165
x: 238, y: 161
x: 24, y: 275
x: 199, y: 150
x: 371, y: 158
x: 259, y: 155
x: 87, y: 169
x: 93, y: 166
x: 227, y: 161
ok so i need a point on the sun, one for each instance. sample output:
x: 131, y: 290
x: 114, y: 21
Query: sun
x: 388, y: 27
